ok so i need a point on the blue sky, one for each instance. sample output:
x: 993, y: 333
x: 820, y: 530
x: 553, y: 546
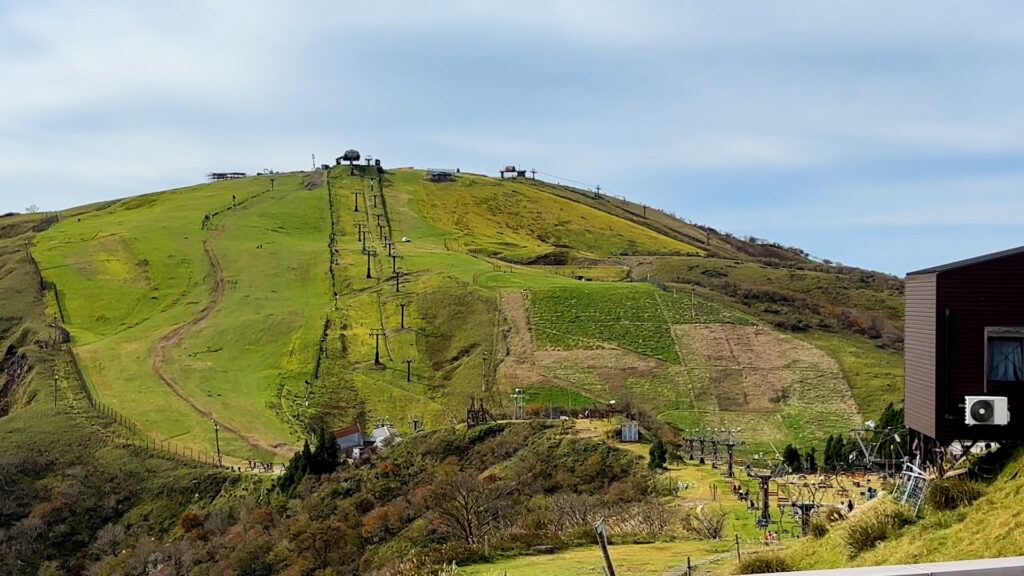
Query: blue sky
x: 878, y: 134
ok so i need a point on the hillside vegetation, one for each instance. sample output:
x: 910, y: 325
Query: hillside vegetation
x: 248, y: 303
x: 245, y: 315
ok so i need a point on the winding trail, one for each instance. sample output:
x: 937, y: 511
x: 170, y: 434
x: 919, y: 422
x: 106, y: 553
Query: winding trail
x: 160, y: 352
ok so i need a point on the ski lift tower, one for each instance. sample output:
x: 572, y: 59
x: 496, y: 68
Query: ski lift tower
x: 730, y: 444
x: 764, y: 472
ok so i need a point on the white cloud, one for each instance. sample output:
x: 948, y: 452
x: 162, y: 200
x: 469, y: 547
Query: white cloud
x: 778, y: 114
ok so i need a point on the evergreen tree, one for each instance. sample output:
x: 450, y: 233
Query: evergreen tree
x: 791, y: 458
x: 296, y: 470
x: 325, y: 457
x: 828, y: 455
x: 839, y: 453
x: 658, y: 452
x: 891, y: 421
x: 810, y: 461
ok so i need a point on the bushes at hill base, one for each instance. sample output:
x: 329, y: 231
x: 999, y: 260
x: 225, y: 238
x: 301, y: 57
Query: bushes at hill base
x: 443, y: 496
x: 875, y: 523
x: 951, y: 493
x: 707, y: 523
x: 764, y: 563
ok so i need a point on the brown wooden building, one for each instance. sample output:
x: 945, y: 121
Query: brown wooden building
x: 964, y: 336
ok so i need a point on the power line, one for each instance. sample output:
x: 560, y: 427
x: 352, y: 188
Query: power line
x: 570, y: 180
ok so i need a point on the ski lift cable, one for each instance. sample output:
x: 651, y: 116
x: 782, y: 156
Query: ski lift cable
x: 561, y: 179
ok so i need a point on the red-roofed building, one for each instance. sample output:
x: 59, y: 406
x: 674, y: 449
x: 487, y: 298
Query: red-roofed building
x: 350, y: 441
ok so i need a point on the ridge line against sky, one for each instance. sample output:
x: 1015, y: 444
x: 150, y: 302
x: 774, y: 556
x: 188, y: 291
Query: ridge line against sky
x: 878, y: 135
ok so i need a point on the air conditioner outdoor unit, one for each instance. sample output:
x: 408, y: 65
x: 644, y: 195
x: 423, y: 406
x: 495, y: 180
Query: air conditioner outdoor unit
x: 987, y: 410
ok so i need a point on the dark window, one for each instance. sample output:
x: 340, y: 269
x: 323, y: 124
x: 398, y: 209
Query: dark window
x: 1005, y: 359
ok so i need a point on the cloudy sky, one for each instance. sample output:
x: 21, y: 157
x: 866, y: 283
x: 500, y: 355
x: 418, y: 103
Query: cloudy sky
x: 883, y: 135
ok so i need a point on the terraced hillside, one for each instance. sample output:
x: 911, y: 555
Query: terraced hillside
x: 275, y: 306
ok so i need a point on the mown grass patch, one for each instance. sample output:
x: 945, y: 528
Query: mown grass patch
x: 875, y: 375
x: 634, y: 559
x: 589, y: 316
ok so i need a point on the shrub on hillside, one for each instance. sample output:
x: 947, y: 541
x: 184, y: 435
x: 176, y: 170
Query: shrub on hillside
x: 874, y: 524
x: 951, y: 493
x: 763, y: 563
x: 819, y: 528
x: 707, y: 523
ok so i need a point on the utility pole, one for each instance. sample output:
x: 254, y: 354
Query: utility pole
x: 376, y: 333
x: 602, y: 540
x: 766, y: 516
x: 362, y: 233
x: 408, y: 369
x: 370, y: 253
x: 518, y: 413
x: 216, y: 435
x: 483, y: 373
x: 730, y: 443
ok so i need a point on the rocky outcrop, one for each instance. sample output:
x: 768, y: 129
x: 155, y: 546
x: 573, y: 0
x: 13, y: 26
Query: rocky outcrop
x: 13, y: 368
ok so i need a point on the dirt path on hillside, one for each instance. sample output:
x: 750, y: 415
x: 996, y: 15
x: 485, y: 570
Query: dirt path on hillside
x: 519, y: 366
x: 160, y: 352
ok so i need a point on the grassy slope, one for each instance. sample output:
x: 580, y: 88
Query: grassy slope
x: 875, y: 375
x: 264, y: 334
x: 71, y: 474
x: 656, y: 220
x: 519, y: 221
x: 129, y: 274
x: 870, y: 292
x: 121, y: 289
x: 633, y: 559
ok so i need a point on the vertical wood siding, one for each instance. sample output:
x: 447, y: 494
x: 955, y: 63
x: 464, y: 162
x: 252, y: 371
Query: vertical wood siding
x: 920, y: 329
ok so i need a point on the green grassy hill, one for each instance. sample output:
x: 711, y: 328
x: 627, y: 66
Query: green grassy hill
x: 248, y: 303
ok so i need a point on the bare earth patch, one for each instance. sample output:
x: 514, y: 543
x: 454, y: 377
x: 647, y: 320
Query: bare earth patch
x: 752, y: 369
